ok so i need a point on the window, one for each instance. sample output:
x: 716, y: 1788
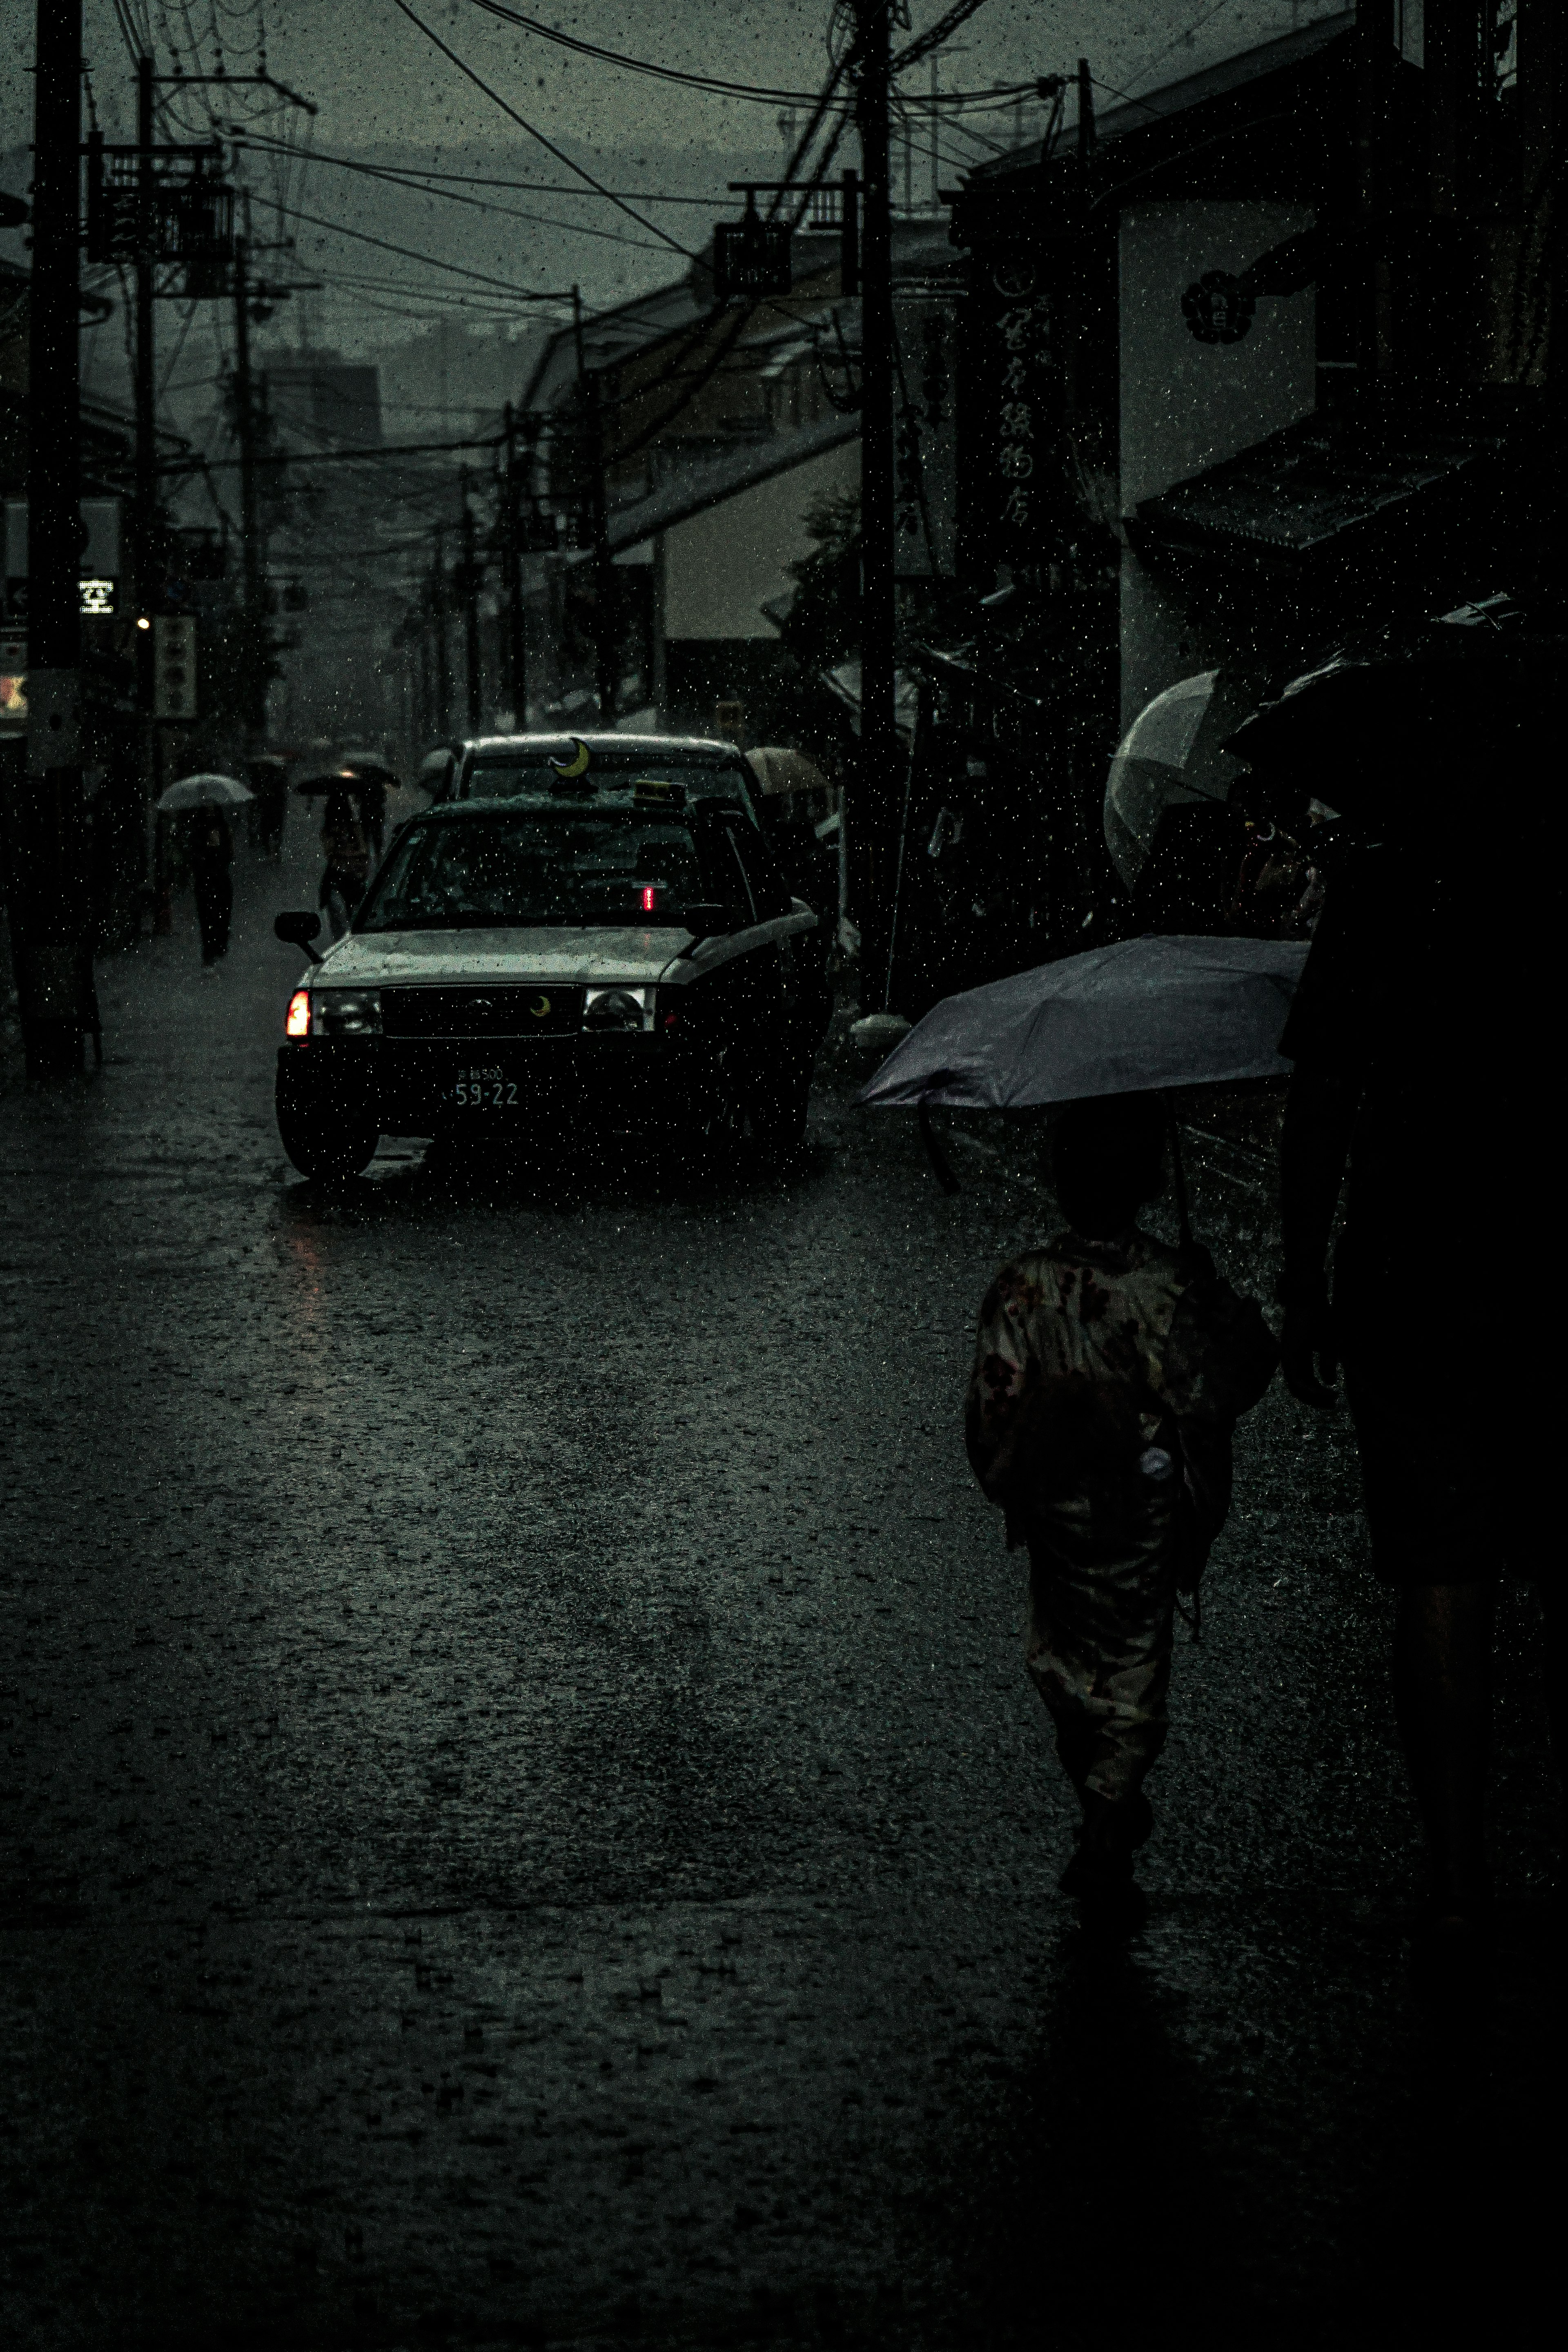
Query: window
x: 562, y: 865
x: 767, y: 893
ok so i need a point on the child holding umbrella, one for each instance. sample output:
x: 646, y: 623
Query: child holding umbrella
x: 1108, y: 1374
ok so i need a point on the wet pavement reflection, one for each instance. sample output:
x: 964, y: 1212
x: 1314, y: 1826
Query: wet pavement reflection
x: 525, y: 1823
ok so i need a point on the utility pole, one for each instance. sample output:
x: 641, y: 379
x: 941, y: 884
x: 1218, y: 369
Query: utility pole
x: 879, y: 758
x: 146, y: 460
x: 1374, y: 75
x: 1085, y: 116
x: 254, y: 682
x: 606, y: 665
x: 443, y: 678
x: 54, y: 955
x: 470, y: 592
x: 935, y: 131
x: 512, y: 531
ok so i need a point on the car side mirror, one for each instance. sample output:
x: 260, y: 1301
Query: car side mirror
x: 300, y: 929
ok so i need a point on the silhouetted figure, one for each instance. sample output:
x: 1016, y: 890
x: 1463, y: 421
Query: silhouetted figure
x: 348, y: 862
x: 1110, y: 1372
x: 370, y: 798
x: 268, y: 781
x: 1410, y: 1021
x: 211, y: 851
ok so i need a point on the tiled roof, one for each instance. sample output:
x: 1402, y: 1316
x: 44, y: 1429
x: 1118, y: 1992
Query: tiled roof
x: 1302, y: 491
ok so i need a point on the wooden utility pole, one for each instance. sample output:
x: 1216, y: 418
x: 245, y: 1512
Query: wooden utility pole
x: 50, y: 909
x: 878, y: 793
x: 146, y: 458
x: 254, y: 682
x: 1375, y: 80
x: 470, y: 594
x: 443, y: 678
x: 512, y: 536
x: 605, y: 599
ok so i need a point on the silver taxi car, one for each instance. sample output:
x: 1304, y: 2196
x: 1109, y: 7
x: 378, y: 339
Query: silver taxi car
x: 495, y: 767
x: 597, y: 950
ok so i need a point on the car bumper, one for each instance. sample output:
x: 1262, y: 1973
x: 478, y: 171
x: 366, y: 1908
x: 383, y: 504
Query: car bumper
x: 635, y: 1082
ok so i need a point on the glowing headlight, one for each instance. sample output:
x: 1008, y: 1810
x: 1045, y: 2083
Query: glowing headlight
x: 617, y: 1008
x: 296, y: 1020
x: 345, y: 1012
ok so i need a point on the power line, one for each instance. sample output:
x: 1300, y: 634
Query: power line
x: 742, y: 89
x: 506, y: 211
x: 755, y: 93
x: 559, y: 153
x: 1180, y: 40
x: 407, y: 253
x: 333, y: 456
x: 411, y: 171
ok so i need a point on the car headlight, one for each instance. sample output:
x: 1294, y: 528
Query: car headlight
x: 345, y: 1012
x: 617, y: 1008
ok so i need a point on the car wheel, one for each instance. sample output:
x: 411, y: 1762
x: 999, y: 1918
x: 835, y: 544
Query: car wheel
x: 323, y: 1144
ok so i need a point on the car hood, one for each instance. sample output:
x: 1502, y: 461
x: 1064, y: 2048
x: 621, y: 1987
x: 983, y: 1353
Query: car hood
x: 448, y: 959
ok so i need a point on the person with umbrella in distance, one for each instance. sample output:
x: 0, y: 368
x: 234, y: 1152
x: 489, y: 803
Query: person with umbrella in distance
x: 204, y: 802
x: 269, y: 776
x: 347, y: 869
x: 1418, y: 1046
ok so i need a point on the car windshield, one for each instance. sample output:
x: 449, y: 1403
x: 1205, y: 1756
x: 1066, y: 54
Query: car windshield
x: 554, y: 864
x: 495, y: 777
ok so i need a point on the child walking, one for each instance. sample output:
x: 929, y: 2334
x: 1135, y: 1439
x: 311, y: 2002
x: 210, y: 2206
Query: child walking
x: 1108, y: 1374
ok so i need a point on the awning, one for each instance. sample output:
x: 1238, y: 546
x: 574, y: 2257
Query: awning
x: 1316, y: 489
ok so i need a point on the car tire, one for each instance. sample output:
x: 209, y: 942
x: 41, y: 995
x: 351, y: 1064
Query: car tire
x: 323, y: 1144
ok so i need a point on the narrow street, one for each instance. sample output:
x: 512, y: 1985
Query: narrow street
x: 525, y: 1824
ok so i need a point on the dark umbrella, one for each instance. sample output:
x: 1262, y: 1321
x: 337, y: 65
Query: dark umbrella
x: 1416, y: 734
x: 1120, y: 1020
x: 366, y: 769
x: 1130, y: 1019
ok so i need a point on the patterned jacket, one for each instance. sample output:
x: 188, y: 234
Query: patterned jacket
x: 1108, y: 1378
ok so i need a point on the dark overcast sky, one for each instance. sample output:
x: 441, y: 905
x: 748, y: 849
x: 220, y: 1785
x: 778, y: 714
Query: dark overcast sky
x: 374, y: 76
x: 382, y: 87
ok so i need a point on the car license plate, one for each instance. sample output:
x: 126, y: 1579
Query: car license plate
x: 484, y: 1090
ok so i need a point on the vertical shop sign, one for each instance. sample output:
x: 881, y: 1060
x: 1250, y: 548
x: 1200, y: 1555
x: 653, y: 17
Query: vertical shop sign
x: 925, y: 458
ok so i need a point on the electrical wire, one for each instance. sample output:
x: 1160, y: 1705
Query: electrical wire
x: 1157, y: 55
x: 417, y: 172
x: 506, y: 211
x: 407, y: 253
x: 559, y: 153
x: 749, y: 90
x: 186, y: 326
x: 757, y: 93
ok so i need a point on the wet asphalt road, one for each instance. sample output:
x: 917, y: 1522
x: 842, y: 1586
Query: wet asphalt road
x: 524, y: 1822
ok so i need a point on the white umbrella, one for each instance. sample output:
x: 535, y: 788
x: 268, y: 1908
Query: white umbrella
x: 780, y: 770
x: 204, y: 791
x: 1172, y: 754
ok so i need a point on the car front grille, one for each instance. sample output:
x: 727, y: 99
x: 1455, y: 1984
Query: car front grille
x: 480, y: 1012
